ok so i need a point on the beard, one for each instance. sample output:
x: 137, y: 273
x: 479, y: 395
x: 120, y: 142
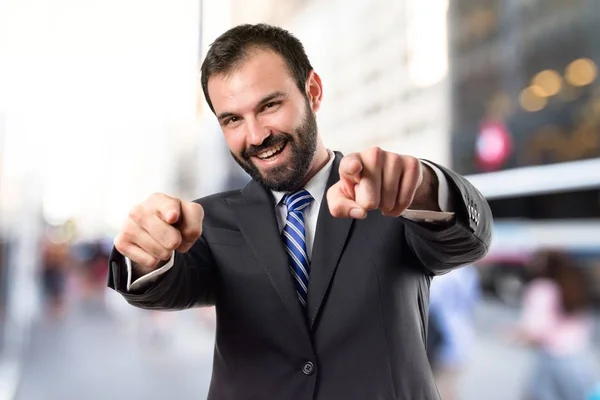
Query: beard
x: 290, y: 176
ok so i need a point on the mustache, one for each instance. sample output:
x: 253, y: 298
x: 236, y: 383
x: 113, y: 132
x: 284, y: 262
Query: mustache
x: 270, y: 141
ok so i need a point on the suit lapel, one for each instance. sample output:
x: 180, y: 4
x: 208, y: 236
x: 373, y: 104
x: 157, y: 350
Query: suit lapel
x: 330, y: 238
x: 255, y: 212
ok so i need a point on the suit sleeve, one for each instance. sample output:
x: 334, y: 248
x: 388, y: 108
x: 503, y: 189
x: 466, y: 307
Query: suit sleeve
x: 466, y: 239
x: 191, y: 282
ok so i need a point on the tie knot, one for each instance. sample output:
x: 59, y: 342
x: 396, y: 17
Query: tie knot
x: 297, y: 201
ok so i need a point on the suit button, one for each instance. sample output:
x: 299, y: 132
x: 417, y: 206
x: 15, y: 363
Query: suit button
x: 308, y: 368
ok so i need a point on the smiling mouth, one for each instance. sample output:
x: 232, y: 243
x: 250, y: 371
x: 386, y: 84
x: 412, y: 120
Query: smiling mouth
x: 271, y: 151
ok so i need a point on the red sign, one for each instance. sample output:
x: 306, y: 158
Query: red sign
x: 493, y: 146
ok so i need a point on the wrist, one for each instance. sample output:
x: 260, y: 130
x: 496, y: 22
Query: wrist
x: 426, y: 196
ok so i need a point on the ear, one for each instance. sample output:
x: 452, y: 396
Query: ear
x: 314, y: 90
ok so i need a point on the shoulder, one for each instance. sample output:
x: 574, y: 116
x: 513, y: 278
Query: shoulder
x: 542, y: 285
x: 541, y: 291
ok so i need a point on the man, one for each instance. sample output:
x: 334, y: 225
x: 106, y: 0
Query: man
x: 320, y: 267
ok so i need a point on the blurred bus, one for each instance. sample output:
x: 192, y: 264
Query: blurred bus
x: 555, y: 206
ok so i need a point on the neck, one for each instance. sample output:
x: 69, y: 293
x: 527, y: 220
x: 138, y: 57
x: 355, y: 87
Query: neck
x: 319, y: 160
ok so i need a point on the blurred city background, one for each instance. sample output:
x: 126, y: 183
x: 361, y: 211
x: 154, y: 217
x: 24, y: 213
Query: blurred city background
x: 100, y: 105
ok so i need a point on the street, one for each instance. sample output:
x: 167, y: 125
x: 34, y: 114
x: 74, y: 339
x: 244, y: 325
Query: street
x: 93, y: 355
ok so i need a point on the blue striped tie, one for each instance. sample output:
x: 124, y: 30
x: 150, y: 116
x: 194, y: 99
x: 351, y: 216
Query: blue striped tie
x: 294, y: 238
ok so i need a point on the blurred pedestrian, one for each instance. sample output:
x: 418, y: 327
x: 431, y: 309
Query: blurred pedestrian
x: 453, y: 299
x: 556, y: 321
x: 54, y: 265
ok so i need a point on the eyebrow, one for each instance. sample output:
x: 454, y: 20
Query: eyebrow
x: 263, y: 101
x: 271, y: 97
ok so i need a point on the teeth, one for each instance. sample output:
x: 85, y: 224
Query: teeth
x: 268, y: 153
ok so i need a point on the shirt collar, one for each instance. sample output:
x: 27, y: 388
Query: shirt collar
x: 317, y: 184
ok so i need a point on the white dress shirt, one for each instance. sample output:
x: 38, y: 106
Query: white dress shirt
x: 316, y: 187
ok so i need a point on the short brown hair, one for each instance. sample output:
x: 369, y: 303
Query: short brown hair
x: 230, y: 49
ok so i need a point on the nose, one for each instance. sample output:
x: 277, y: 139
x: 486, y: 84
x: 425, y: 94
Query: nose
x: 257, y: 133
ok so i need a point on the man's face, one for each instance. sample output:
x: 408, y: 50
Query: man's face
x: 268, y: 123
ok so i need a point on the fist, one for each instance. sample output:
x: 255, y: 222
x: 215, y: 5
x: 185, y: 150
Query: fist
x: 156, y: 227
x: 374, y: 179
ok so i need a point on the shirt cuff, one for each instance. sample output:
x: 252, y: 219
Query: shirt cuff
x: 446, y: 214
x: 149, y: 277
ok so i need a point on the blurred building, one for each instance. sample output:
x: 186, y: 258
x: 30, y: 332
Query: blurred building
x: 383, y: 66
x: 20, y: 232
x: 214, y: 168
x: 525, y: 111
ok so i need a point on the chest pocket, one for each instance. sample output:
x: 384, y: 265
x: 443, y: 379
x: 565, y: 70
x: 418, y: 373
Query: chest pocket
x: 241, y: 274
x: 224, y: 237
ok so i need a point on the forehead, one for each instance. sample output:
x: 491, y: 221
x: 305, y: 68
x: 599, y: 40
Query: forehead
x: 261, y: 73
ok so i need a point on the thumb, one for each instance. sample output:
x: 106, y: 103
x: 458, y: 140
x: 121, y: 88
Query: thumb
x: 171, y: 217
x: 340, y: 206
x: 169, y: 209
x: 351, y: 167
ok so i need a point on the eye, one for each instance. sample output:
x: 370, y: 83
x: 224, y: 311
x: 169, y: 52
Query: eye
x: 231, y: 120
x: 271, y: 105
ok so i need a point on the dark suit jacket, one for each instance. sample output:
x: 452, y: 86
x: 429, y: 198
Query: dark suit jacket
x: 365, y: 333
